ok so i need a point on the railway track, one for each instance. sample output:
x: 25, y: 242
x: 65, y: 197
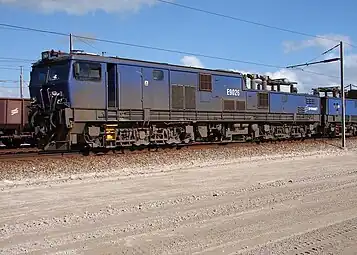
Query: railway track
x: 28, y: 153
x: 19, y: 155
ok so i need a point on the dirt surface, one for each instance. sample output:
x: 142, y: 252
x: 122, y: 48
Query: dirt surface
x: 281, y: 205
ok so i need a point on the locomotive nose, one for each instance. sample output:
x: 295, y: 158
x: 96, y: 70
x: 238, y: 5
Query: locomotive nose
x: 45, y: 116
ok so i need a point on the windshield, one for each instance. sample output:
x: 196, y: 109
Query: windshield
x: 56, y: 72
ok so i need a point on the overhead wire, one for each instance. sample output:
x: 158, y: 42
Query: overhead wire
x: 4, y: 85
x: 198, y: 10
x: 19, y: 59
x: 158, y: 48
x: 15, y: 68
x: 150, y: 47
x: 251, y: 22
x: 33, y: 29
x: 11, y: 68
x: 266, y: 26
x: 141, y: 46
x: 324, y: 53
x: 87, y: 43
x: 8, y: 59
x: 11, y: 81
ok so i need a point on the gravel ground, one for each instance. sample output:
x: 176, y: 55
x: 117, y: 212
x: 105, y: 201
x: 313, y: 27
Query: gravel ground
x: 248, y: 200
x: 38, y: 169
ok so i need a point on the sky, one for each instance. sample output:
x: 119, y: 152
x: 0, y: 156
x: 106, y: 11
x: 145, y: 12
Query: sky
x: 161, y: 25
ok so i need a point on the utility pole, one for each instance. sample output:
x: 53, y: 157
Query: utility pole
x: 343, y: 104
x: 22, y: 97
x: 70, y: 43
x: 342, y: 94
x: 21, y: 82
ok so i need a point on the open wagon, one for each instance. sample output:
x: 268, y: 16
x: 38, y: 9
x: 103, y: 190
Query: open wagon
x: 14, y: 128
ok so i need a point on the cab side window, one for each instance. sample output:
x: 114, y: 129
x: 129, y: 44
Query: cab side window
x: 86, y: 71
x: 158, y: 75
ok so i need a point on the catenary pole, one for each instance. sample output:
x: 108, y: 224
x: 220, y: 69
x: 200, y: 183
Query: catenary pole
x: 343, y: 109
x: 21, y: 82
x: 70, y: 43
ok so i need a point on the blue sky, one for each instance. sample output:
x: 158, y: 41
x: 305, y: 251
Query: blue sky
x: 167, y: 26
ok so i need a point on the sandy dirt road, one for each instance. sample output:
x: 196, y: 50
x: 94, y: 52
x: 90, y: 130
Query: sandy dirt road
x: 305, y: 205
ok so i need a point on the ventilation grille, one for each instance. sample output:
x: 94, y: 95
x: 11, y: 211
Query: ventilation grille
x: 310, y: 101
x: 190, y: 97
x: 183, y: 97
x: 301, y: 110
x: 263, y: 100
x: 240, y: 105
x: 205, y: 81
x: 228, y: 105
x: 232, y: 105
x: 177, y: 97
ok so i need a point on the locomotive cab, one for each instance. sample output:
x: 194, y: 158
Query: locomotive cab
x: 50, y: 74
x: 49, y: 91
x: 61, y: 82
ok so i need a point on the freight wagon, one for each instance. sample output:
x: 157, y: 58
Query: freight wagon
x: 14, y: 127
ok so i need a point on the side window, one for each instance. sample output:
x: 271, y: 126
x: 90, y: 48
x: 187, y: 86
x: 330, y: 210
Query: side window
x: 158, y: 75
x: 205, y: 82
x: 85, y: 71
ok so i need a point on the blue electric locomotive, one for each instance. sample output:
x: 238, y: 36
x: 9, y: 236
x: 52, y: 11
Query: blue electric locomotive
x: 89, y: 101
x: 331, y: 111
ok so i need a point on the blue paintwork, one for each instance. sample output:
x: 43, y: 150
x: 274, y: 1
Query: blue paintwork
x: 156, y: 92
x: 333, y: 109
x: 87, y: 94
x: 181, y: 78
x: 222, y: 83
x: 289, y: 103
x: 138, y: 89
x: 130, y: 87
x: 212, y: 101
x: 252, y: 102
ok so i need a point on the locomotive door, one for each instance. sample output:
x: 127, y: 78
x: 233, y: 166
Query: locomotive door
x: 155, y: 89
x: 112, y: 87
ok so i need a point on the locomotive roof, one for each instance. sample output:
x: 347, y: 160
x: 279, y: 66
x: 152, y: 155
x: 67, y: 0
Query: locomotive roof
x: 119, y: 60
x: 78, y: 55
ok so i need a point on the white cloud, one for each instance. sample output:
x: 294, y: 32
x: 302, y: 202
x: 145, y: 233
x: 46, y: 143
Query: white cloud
x: 319, y: 42
x: 317, y: 76
x: 308, y: 80
x: 80, y: 7
x: 309, y: 77
x: 305, y: 81
x: 321, y: 75
x: 191, y: 61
